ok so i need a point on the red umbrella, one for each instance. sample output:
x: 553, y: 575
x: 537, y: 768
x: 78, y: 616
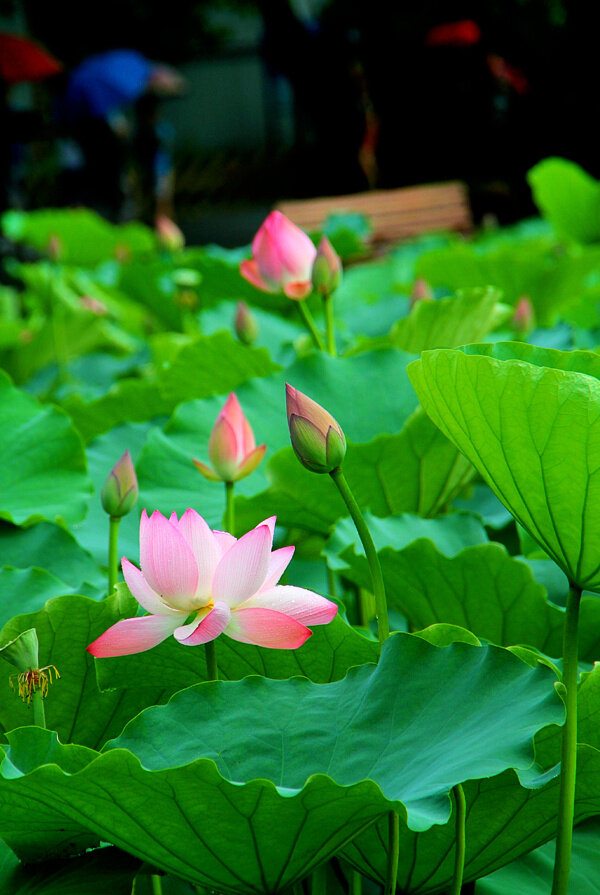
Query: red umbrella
x: 23, y: 60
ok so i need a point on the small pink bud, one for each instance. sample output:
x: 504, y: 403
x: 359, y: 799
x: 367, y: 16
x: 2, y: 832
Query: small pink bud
x: 55, y: 248
x: 94, y: 305
x: 524, y: 315
x: 327, y: 269
x: 317, y: 438
x: 120, y: 492
x: 168, y: 234
x: 421, y: 291
x: 231, y: 448
x: 244, y: 324
x: 282, y: 258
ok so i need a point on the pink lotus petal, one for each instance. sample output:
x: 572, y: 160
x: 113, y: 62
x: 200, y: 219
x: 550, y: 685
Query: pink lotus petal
x: 206, y: 471
x: 279, y: 560
x: 264, y: 627
x: 246, y: 436
x: 296, y: 250
x: 210, y: 626
x: 223, y: 449
x: 168, y: 563
x: 224, y: 540
x: 134, y: 635
x: 303, y: 605
x: 243, y: 569
x: 250, y: 462
x: 234, y: 415
x: 265, y: 250
x: 205, y: 548
x: 298, y: 290
x: 249, y: 270
x: 142, y: 591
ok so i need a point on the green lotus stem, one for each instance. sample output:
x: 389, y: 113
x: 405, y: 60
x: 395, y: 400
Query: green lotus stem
x: 113, y: 553
x: 566, y: 799
x: 310, y: 324
x: 212, y: 672
x: 318, y: 883
x: 157, y: 888
x: 355, y: 882
x: 39, y: 713
x: 229, y: 508
x: 383, y: 627
x: 330, y: 324
x: 461, y: 842
x: 393, y: 853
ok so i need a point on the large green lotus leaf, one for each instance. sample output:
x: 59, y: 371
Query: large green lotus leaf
x: 504, y: 821
x: 74, y: 706
x: 204, y: 366
x: 553, y: 280
x: 26, y: 590
x: 326, y: 656
x: 299, y: 804
x: 85, y: 237
x: 481, y: 588
x: 102, y: 454
x: 42, y: 474
x: 568, y: 197
x: 532, y: 874
x: 533, y: 433
x: 50, y: 547
x: 95, y: 873
x: 446, y: 323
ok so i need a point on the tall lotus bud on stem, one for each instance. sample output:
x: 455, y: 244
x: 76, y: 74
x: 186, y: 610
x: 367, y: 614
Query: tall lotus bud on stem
x: 244, y: 324
x: 168, y: 234
x: 327, y: 269
x: 317, y: 438
x: 119, y: 496
x: 120, y: 492
x: 421, y: 291
x: 524, y: 316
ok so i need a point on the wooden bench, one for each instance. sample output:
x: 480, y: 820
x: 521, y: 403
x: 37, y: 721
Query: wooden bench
x: 395, y: 214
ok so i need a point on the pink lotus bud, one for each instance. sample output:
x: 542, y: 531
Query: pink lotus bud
x: 317, y: 438
x: 94, y: 305
x: 120, y: 492
x: 168, y: 234
x: 524, y: 315
x: 244, y: 324
x: 421, y: 291
x: 282, y: 258
x: 55, y: 248
x: 327, y: 269
x: 231, y: 447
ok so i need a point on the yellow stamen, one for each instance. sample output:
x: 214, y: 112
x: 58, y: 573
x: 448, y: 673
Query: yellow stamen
x: 29, y: 682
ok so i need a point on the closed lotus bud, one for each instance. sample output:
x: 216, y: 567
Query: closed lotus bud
x: 317, y: 438
x: 168, y: 234
x: 282, y: 258
x: 327, y: 269
x: 55, y: 247
x: 120, y: 492
x: 421, y: 291
x: 231, y: 448
x: 244, y: 324
x: 524, y: 315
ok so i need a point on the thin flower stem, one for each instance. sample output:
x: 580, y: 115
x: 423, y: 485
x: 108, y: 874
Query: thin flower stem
x: 330, y: 324
x: 383, y: 628
x: 113, y: 553
x: 229, y: 508
x: 318, y: 882
x: 212, y: 672
x: 566, y: 799
x: 393, y: 853
x: 460, y: 805
x: 39, y: 713
x: 157, y: 888
x: 310, y: 324
x: 355, y: 882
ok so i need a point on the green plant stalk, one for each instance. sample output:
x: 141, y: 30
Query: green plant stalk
x: 566, y: 799
x: 355, y: 882
x: 113, y: 553
x: 229, y: 509
x: 39, y: 713
x: 330, y: 324
x: 393, y: 853
x: 309, y: 321
x: 318, y: 882
x: 460, y: 805
x: 157, y: 888
x: 212, y: 672
x: 58, y: 333
x: 383, y: 627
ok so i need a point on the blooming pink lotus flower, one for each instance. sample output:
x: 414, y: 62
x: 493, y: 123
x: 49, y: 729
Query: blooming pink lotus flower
x: 228, y: 586
x: 282, y: 258
x: 231, y: 447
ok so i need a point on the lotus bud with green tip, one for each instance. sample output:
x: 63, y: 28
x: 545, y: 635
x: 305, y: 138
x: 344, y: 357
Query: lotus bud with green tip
x: 232, y: 449
x: 120, y: 492
x: 244, y: 324
x: 168, y: 234
x: 327, y: 269
x: 317, y: 438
